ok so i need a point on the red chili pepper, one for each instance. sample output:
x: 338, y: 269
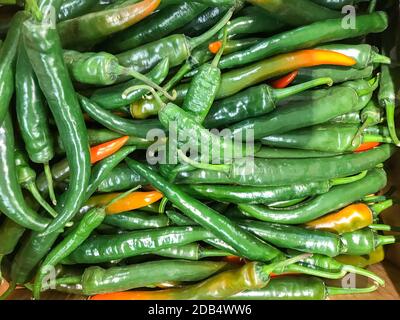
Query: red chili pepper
x: 285, y: 80
x: 102, y: 151
x: 367, y: 146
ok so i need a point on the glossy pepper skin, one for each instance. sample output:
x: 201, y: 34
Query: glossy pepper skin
x: 338, y: 197
x: 111, y: 97
x: 253, y: 102
x: 222, y: 227
x: 220, y: 286
x: 306, y: 37
x: 74, y: 8
x: 177, y: 48
x: 106, y: 248
x: 327, y: 138
x: 12, y: 202
x: 8, y: 55
x: 96, y: 280
x: 45, y: 53
x: 10, y: 234
x: 91, y: 28
x: 297, y: 13
x: 160, y: 25
x: 254, y: 195
x: 138, y: 128
x: 338, y: 100
x: 37, y: 244
x: 32, y: 112
x: 137, y: 220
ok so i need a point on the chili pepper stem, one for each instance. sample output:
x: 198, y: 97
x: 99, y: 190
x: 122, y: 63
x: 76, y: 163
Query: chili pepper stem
x: 146, y: 80
x: 374, y: 199
x: 314, y: 272
x: 32, y: 7
x: 347, y: 180
x: 372, y: 6
x: 281, y: 94
x: 50, y: 185
x: 380, y: 59
x: 365, y: 273
x: 31, y: 187
x: 378, y: 208
x: 186, y: 67
x: 9, y: 291
x: 377, y: 138
x: 212, y: 167
x: 373, y: 83
x: 195, y: 42
x: 218, y: 56
x: 386, y: 240
x: 390, y: 115
x: 333, y: 291
x: 384, y: 227
x: 154, y: 93
x: 210, y: 253
x: 281, y: 265
x: 163, y: 204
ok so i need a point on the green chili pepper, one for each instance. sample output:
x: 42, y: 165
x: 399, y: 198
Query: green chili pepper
x: 177, y: 48
x: 8, y: 55
x: 280, y: 153
x: 297, y: 288
x: 314, y: 241
x: 12, y: 202
x: 387, y: 100
x: 253, y: 102
x: 336, y: 73
x: 44, y: 51
x: 71, y: 9
x: 37, y: 245
x: 203, y: 21
x: 111, y: 98
x: 364, y: 54
x: 338, y: 197
x: 306, y: 37
x: 92, y: 28
x: 10, y: 234
x: 27, y: 177
x: 222, y: 227
x: 160, y: 25
x: 97, y: 280
x: 106, y: 248
x: 339, y: 100
x: 33, y: 117
x: 138, y: 128
x: 254, y: 195
x: 296, y: 12
x: 137, y: 220
x: 327, y: 138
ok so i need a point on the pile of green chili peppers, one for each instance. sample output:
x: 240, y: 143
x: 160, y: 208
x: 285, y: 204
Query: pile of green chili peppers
x: 263, y: 126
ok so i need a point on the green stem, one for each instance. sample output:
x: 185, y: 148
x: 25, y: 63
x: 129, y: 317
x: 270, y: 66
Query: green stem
x: 50, y: 185
x: 382, y: 206
x: 332, y: 291
x: 146, y: 87
x: 218, y: 56
x: 376, y: 138
x: 380, y: 58
x: 385, y: 240
x: 372, y: 6
x: 204, y: 166
x: 186, y: 67
x: 280, y: 94
x: 374, y: 199
x: 210, y: 253
x: 365, y: 273
x: 373, y: 85
x: 390, y: 117
x: 347, y: 180
x: 195, y: 42
x: 282, y: 265
x: 383, y: 227
x: 146, y: 80
x: 315, y: 272
x: 31, y: 187
x: 163, y: 204
x: 367, y: 123
x: 9, y: 291
x: 286, y: 204
x: 32, y: 7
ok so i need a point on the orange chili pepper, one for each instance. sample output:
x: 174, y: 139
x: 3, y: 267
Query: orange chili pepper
x: 214, y: 47
x: 367, y: 146
x: 133, y: 201
x: 351, y: 218
x: 285, y: 80
x: 102, y: 151
x: 130, y: 295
